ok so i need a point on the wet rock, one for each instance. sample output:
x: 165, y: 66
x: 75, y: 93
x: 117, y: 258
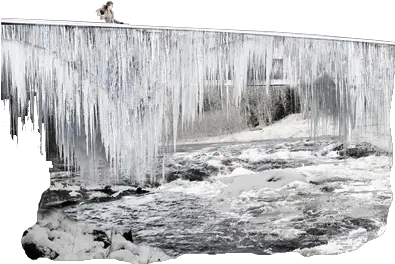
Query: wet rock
x: 107, y: 190
x: 62, y: 198
x: 227, y: 162
x: 315, y: 182
x: 191, y: 174
x: 270, y: 164
x: 102, y: 199
x: 58, y: 199
x: 127, y: 193
x: 57, y: 205
x: 139, y: 190
x: 33, y: 252
x: 172, y: 176
x: 128, y: 236
x: 273, y: 179
x: 101, y: 236
x: 361, y: 150
x: 316, y: 232
x: 327, y: 189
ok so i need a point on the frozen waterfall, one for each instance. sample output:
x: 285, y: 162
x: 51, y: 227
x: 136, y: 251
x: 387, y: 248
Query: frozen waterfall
x: 119, y: 96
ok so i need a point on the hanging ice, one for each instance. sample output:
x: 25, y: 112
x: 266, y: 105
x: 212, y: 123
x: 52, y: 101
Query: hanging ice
x: 121, y: 95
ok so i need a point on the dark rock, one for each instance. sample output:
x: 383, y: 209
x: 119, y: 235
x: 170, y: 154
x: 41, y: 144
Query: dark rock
x: 126, y: 193
x: 327, y: 189
x: 314, y: 182
x: 269, y: 164
x: 102, y: 199
x: 101, y: 236
x: 60, y: 198
x: 141, y: 191
x: 227, y: 162
x: 128, y: 236
x: 57, y: 205
x: 273, y: 179
x: 191, y: 174
x: 107, y: 190
x: 316, y: 232
x: 172, y: 176
x: 338, y: 147
x: 195, y: 175
x: 361, y: 150
x: 32, y: 251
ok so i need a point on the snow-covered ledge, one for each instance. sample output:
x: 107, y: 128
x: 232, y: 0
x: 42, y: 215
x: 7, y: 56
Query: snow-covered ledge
x: 16, y: 21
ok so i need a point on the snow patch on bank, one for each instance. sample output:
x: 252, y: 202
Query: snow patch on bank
x: 292, y: 126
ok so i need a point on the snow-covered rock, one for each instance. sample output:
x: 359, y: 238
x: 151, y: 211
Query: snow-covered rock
x: 59, y: 237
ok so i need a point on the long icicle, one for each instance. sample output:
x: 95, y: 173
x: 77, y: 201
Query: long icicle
x: 123, y: 96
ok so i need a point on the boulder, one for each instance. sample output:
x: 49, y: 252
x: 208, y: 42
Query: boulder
x: 101, y: 236
x: 128, y: 236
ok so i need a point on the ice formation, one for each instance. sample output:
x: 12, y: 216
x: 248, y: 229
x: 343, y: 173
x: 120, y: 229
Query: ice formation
x: 118, y: 97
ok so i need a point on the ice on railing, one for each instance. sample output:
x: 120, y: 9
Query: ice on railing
x: 119, y: 95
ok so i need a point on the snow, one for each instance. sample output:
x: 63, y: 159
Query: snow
x: 74, y: 194
x: 266, y: 179
x: 292, y: 126
x: 56, y: 233
x: 241, y: 171
x: 124, y: 255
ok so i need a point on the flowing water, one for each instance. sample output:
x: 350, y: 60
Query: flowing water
x: 315, y: 201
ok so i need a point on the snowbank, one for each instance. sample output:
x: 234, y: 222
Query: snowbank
x: 58, y: 237
x: 292, y: 126
x: 296, y: 126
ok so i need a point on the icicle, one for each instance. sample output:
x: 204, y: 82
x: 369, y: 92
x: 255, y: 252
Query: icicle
x: 121, y: 97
